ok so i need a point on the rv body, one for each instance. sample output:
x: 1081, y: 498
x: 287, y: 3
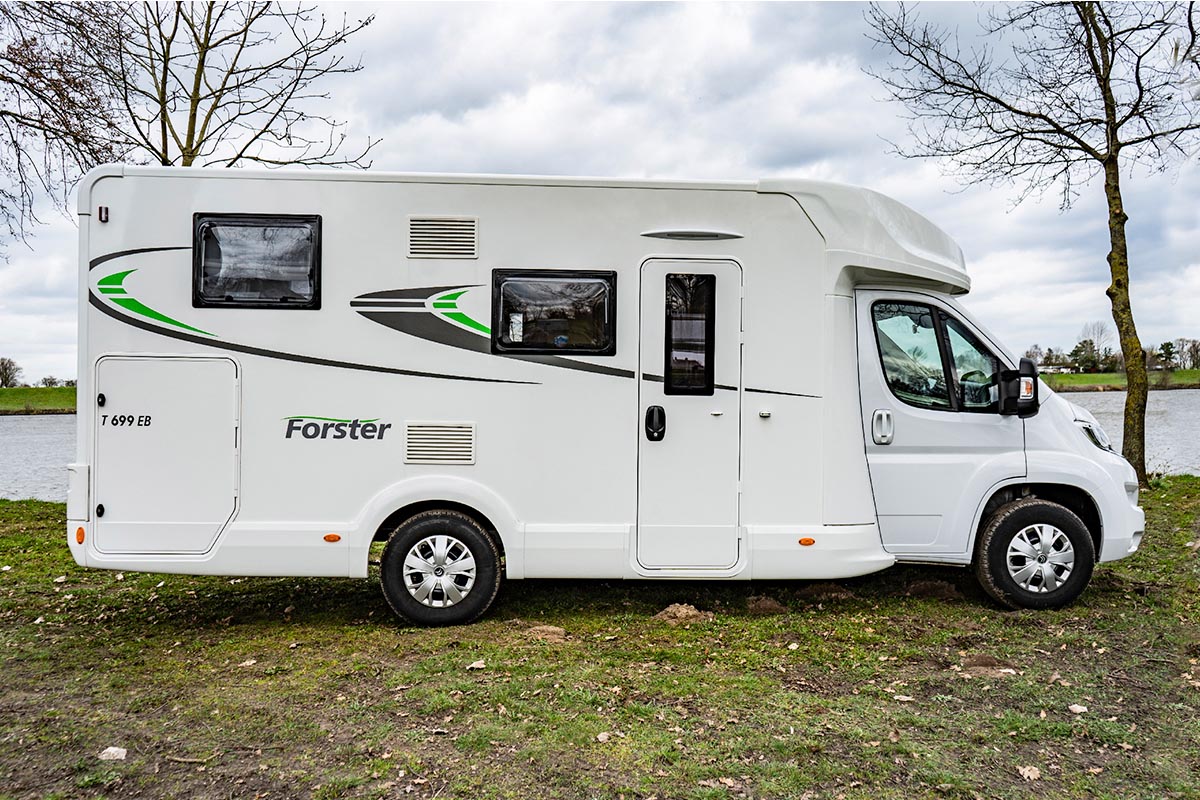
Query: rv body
x: 609, y: 379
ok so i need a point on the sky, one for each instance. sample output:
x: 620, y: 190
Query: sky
x: 693, y: 90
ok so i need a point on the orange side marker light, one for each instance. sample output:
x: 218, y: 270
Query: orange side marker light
x: 333, y: 537
x: 79, y: 535
x: 808, y: 540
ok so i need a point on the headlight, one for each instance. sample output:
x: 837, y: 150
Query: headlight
x: 1096, y: 434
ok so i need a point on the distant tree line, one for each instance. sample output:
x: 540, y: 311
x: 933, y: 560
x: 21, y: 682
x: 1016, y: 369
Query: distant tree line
x: 10, y: 376
x: 1093, y: 352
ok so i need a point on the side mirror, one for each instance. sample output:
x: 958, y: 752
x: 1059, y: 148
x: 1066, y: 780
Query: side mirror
x: 1019, y: 390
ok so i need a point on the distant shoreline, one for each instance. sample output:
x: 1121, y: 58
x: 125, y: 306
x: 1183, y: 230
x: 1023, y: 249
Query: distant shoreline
x: 34, y: 412
x: 1119, y: 387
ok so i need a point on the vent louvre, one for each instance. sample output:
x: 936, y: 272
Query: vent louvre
x: 443, y: 237
x: 439, y: 442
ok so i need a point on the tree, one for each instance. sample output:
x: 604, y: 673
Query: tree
x: 53, y: 124
x: 1078, y: 90
x: 10, y: 373
x: 1085, y: 357
x: 1035, y: 353
x: 1193, y: 353
x: 1166, y: 354
x: 175, y: 84
x: 49, y: 382
x: 226, y: 83
x: 1100, y: 332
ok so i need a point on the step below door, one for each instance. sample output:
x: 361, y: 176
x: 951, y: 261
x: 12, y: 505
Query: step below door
x: 166, y: 453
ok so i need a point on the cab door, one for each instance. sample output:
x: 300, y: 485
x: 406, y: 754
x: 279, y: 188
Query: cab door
x: 936, y: 443
x: 689, y: 399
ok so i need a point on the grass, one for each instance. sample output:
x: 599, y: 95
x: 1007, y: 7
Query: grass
x: 1116, y: 380
x: 26, y: 399
x: 900, y: 685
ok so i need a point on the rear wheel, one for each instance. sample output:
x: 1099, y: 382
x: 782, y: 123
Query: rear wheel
x: 1034, y: 554
x: 440, y: 567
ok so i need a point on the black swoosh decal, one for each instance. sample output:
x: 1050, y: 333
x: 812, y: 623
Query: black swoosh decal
x: 420, y: 293
x: 95, y: 262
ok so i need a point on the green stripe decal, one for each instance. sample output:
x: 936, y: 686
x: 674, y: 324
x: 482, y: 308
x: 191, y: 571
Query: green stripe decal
x: 112, y: 290
x: 115, y: 279
x: 137, y: 308
x: 453, y: 295
x: 451, y: 304
x: 331, y: 419
x: 458, y: 316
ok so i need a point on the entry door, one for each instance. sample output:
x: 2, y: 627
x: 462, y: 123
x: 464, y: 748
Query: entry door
x: 935, y: 440
x: 166, y: 453
x: 689, y: 399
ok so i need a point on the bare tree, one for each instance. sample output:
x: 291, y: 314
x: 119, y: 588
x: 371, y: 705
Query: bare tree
x: 1100, y: 332
x: 1065, y: 93
x: 53, y: 124
x: 10, y: 373
x: 226, y: 83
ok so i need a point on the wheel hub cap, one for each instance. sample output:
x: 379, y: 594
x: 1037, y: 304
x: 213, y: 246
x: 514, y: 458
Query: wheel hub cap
x: 439, y: 571
x: 1040, y: 558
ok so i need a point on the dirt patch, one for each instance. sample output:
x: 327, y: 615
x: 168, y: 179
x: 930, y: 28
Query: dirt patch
x: 824, y: 591
x: 936, y: 590
x: 682, y: 614
x: 547, y: 633
x: 981, y: 665
x: 762, y: 605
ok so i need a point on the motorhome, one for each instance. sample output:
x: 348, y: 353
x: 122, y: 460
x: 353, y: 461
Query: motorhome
x: 502, y: 377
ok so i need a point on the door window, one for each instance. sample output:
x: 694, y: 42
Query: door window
x: 976, y: 372
x: 691, y: 322
x: 908, y: 348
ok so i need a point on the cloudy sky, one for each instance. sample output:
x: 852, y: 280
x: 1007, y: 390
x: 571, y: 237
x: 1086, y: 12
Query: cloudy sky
x: 693, y: 90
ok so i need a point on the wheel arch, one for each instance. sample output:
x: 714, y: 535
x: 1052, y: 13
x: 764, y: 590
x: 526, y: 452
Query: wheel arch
x: 398, y: 502
x: 1073, y: 498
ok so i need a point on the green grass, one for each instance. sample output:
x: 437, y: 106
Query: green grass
x: 37, y: 398
x: 309, y: 688
x: 1180, y: 377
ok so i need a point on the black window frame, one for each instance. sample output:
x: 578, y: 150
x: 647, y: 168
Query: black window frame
x: 948, y: 359
x: 199, y: 219
x: 499, y: 276
x: 944, y: 351
x: 710, y: 342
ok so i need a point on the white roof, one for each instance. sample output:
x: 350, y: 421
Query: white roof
x: 861, y: 228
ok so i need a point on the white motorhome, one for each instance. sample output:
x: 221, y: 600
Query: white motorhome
x: 519, y: 377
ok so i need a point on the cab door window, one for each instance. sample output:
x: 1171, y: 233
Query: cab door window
x: 907, y: 334
x: 974, y: 370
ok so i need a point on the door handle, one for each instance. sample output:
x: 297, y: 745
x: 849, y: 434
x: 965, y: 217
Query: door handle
x: 656, y: 423
x: 882, y: 426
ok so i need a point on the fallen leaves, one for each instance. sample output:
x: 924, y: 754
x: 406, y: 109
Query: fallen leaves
x: 1030, y: 773
x: 1075, y: 708
x: 683, y: 613
x: 113, y: 754
x: 474, y: 665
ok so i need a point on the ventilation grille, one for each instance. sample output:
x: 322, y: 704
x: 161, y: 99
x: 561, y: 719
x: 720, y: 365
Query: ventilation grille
x: 439, y: 443
x: 443, y: 237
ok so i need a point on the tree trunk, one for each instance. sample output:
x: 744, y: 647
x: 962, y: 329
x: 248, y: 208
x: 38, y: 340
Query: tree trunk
x: 1134, y: 447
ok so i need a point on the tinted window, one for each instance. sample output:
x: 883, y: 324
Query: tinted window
x: 908, y: 348
x: 975, y: 370
x: 554, y: 312
x: 256, y: 261
x: 691, y: 321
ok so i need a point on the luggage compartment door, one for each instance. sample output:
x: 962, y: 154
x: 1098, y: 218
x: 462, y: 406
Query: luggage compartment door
x: 166, y: 458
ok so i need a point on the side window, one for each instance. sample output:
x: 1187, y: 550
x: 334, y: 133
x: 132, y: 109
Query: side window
x: 691, y: 324
x: 975, y: 370
x: 256, y: 261
x: 554, y: 312
x: 908, y: 349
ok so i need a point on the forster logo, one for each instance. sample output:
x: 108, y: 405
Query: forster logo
x: 329, y: 428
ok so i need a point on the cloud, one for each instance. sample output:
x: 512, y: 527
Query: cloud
x: 696, y: 90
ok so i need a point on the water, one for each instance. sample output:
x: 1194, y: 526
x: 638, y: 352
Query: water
x: 1172, y: 426
x: 34, y: 450
x: 34, y: 453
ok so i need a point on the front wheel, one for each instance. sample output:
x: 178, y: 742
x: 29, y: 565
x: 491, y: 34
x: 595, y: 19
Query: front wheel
x: 440, y: 568
x: 1035, y: 554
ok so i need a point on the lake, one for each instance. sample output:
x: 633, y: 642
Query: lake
x: 34, y: 450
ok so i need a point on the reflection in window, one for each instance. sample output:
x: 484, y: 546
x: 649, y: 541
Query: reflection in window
x: 256, y: 261
x: 975, y: 370
x: 550, y: 312
x: 691, y: 321
x: 908, y: 347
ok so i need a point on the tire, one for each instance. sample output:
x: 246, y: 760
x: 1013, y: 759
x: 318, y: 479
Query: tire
x: 453, y: 575
x: 1034, y: 554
